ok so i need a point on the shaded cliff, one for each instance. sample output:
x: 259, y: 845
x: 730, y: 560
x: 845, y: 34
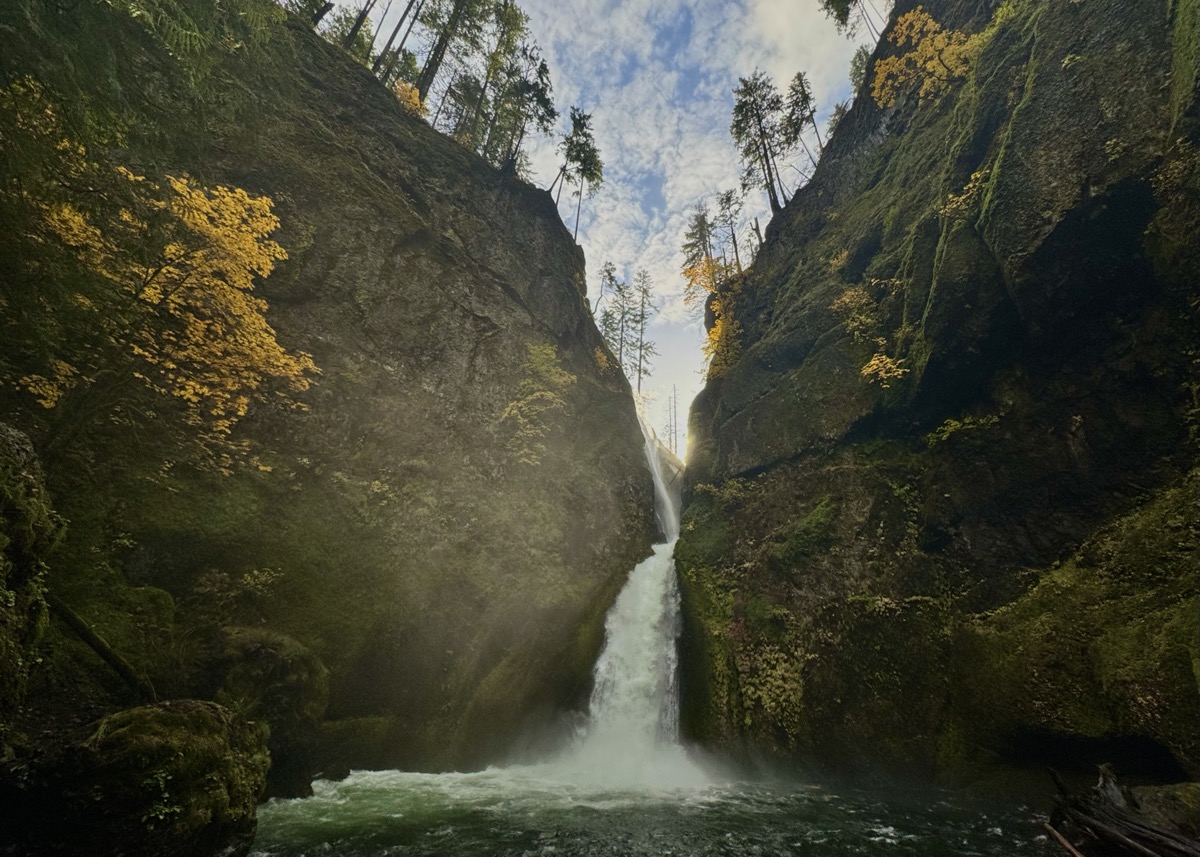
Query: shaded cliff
x: 942, y: 510
x: 402, y: 567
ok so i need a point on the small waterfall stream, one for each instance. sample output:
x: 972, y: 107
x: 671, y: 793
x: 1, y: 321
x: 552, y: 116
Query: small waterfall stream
x: 632, y: 736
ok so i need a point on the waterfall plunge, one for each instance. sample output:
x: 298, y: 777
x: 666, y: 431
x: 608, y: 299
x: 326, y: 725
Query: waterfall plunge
x: 632, y: 736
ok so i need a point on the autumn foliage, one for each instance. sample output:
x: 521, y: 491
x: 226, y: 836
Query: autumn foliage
x: 722, y: 346
x: 712, y: 281
x: 137, y: 294
x: 858, y: 309
x: 935, y: 57
x: 409, y: 98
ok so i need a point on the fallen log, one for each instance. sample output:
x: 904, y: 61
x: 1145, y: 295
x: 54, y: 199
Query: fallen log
x: 1103, y: 822
x: 1061, y: 840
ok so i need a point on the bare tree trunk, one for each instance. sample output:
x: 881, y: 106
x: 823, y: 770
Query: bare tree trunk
x: 325, y: 9
x: 783, y: 195
x: 562, y: 175
x: 871, y: 26
x: 767, y: 171
x: 579, y: 207
x: 411, y: 23
x: 96, y: 643
x: 395, y: 31
x: 358, y: 24
x: 441, y: 104
x: 769, y: 179
x: 808, y: 152
x: 375, y: 38
x: 708, y: 254
x: 436, y: 56
x: 641, y: 338
x: 562, y: 171
x: 621, y: 340
x: 733, y: 234
x: 514, y: 143
x: 491, y: 67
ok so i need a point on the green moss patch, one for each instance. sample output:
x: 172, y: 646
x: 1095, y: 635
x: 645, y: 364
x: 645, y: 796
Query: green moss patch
x: 179, y: 777
x: 1107, y: 646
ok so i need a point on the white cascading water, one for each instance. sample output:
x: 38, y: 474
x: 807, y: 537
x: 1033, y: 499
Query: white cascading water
x: 632, y: 736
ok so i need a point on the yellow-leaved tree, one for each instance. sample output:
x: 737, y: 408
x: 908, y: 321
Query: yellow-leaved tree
x: 700, y: 280
x: 133, y: 284
x: 936, y: 57
x: 208, y: 342
x: 722, y: 346
x: 409, y: 98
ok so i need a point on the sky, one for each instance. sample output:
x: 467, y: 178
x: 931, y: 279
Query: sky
x: 657, y: 77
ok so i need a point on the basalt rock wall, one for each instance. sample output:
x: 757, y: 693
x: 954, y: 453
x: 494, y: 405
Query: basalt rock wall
x: 941, y: 510
x: 406, y: 567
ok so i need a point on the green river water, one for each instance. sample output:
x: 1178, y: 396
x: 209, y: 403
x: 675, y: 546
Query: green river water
x: 538, y: 810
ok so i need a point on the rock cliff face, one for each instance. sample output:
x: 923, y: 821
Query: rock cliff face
x: 29, y: 531
x: 443, y: 525
x: 942, y: 510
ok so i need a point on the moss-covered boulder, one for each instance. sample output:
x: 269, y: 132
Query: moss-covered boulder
x: 1175, y: 807
x: 28, y: 530
x: 1101, y: 652
x: 273, y: 679
x: 180, y: 778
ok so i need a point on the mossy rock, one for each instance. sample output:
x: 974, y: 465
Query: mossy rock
x: 1101, y: 652
x: 273, y: 679
x: 28, y: 531
x: 803, y: 537
x: 1175, y: 807
x: 359, y: 743
x: 872, y: 690
x: 1006, y: 565
x: 180, y: 778
x: 424, y: 549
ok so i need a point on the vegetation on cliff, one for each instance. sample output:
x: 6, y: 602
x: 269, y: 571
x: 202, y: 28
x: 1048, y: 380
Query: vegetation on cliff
x: 941, y: 507
x: 344, y: 474
x: 30, y: 530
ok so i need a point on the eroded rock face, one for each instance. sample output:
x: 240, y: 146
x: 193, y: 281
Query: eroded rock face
x: 871, y: 563
x: 454, y: 510
x: 181, y: 777
x: 445, y: 521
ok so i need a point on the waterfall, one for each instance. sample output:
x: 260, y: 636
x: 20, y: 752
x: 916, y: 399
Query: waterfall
x: 666, y: 504
x: 632, y: 735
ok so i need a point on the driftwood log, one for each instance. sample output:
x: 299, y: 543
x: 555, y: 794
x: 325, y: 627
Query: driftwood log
x: 1103, y: 822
